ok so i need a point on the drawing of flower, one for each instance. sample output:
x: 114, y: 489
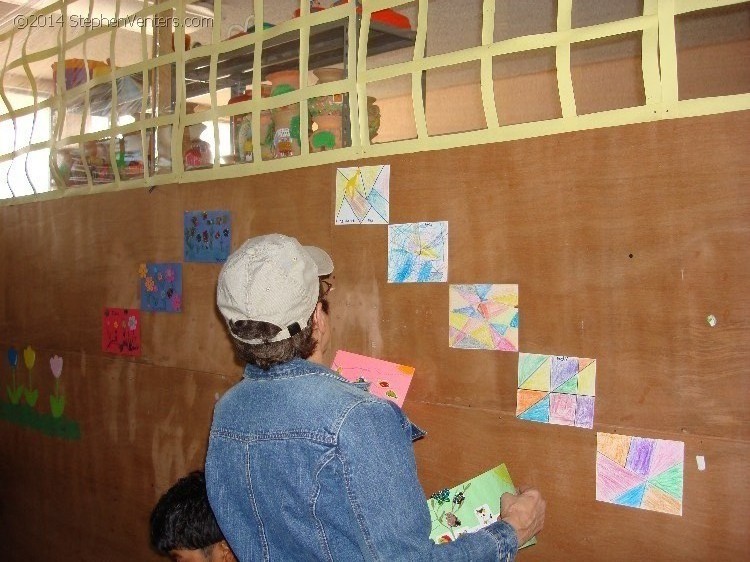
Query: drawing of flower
x: 160, y: 276
x: 56, y: 364
x: 29, y: 357
x: 445, y: 539
x: 452, y: 520
x: 169, y: 275
x: 142, y: 271
x: 176, y: 302
x: 150, y: 285
x: 56, y: 402
x: 132, y: 323
x: 442, y: 496
x: 30, y: 393
x: 12, y: 357
x: 14, y: 392
x: 458, y: 499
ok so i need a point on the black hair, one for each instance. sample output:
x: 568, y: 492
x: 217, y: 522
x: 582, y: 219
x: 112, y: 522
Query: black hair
x: 182, y: 518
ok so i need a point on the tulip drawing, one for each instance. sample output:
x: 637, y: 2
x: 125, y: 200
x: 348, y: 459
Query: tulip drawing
x: 14, y: 392
x: 56, y: 402
x: 30, y: 393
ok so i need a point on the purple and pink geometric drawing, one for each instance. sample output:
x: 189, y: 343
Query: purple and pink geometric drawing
x: 640, y: 472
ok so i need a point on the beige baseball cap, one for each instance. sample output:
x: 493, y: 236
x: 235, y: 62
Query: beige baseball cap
x: 274, y: 279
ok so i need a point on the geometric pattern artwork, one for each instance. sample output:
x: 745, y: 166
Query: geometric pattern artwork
x: 470, y: 506
x: 121, y: 331
x: 418, y: 252
x: 362, y: 195
x: 640, y: 472
x: 208, y: 236
x: 483, y: 317
x: 161, y: 287
x: 387, y: 380
x: 556, y: 389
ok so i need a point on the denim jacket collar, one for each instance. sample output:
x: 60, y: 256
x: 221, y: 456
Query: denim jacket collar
x: 296, y: 367
x: 293, y: 368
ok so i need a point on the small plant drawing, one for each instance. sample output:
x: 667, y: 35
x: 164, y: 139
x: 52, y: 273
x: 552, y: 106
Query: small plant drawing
x: 445, y: 509
x: 56, y: 401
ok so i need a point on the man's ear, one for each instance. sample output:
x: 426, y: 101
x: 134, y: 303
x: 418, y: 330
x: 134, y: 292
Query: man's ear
x: 225, y: 552
x: 320, y: 320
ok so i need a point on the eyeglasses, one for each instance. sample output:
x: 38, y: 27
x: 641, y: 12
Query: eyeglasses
x: 325, y: 288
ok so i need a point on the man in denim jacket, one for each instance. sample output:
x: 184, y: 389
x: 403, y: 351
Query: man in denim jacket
x: 301, y: 464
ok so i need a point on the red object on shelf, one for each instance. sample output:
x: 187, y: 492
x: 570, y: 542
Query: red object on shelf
x: 388, y: 16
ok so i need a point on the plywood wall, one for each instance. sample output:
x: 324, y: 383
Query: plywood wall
x: 621, y: 240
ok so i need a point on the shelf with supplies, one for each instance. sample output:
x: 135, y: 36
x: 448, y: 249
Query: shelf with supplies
x: 328, y: 46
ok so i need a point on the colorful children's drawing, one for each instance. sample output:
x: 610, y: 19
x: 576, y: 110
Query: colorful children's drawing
x: 418, y: 252
x: 555, y: 389
x: 161, y: 287
x: 640, y: 472
x: 208, y: 236
x: 387, y: 380
x: 483, y: 317
x: 55, y: 423
x: 121, y: 331
x: 362, y: 195
x: 470, y: 506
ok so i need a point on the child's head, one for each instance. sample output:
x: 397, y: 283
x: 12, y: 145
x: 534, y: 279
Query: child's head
x: 183, y: 525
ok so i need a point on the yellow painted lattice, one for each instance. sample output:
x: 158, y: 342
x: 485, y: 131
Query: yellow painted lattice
x: 656, y: 26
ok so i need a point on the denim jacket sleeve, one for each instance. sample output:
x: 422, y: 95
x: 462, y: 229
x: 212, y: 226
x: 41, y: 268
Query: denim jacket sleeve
x: 374, y: 446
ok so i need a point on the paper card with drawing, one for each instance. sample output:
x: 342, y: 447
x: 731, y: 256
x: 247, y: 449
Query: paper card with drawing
x: 362, y: 195
x: 161, y: 287
x: 418, y: 252
x: 556, y: 389
x: 207, y: 236
x: 121, y: 331
x: 470, y: 506
x: 640, y: 472
x: 387, y: 380
x: 483, y: 316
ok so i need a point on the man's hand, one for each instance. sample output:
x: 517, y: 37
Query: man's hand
x: 524, y: 512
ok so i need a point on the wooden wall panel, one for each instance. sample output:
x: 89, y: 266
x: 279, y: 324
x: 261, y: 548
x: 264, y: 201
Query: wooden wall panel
x: 560, y: 216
